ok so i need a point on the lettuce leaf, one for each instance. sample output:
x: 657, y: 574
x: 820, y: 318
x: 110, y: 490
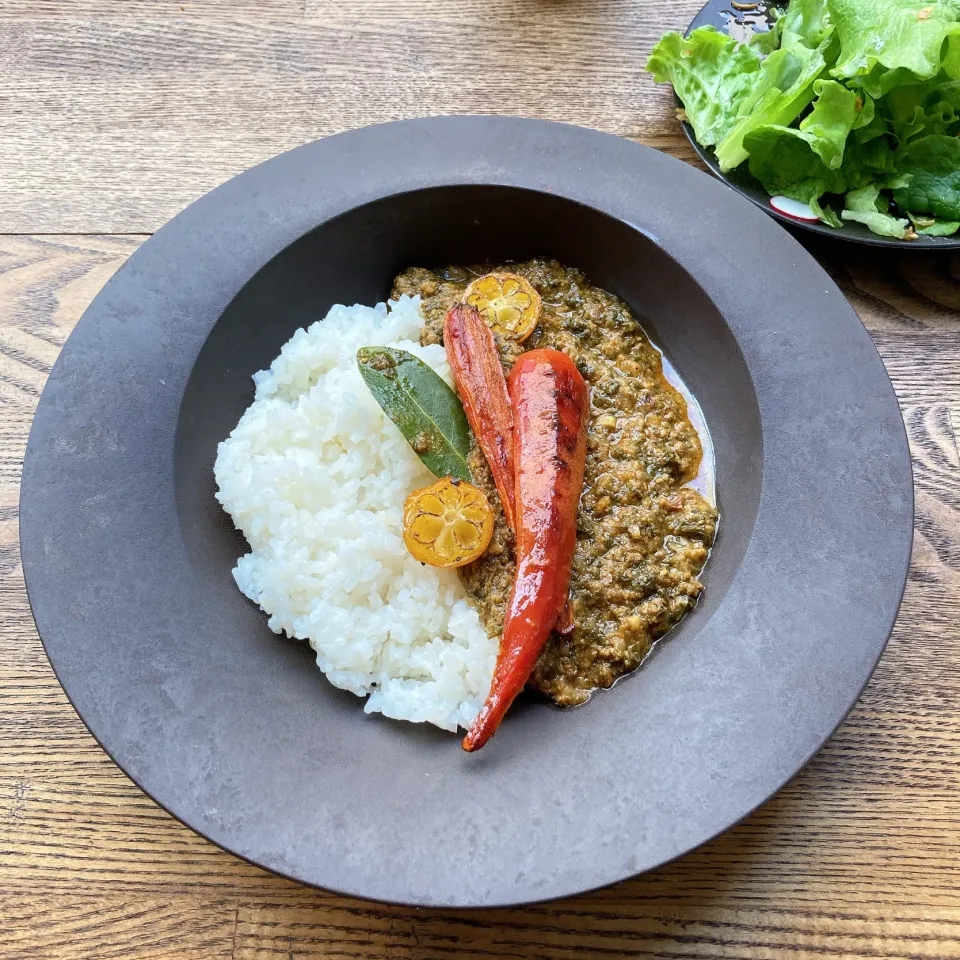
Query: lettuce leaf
x: 933, y: 163
x: 787, y: 81
x: 884, y: 43
x: 807, y: 22
x: 782, y: 90
x: 824, y: 130
x: 941, y: 228
x: 766, y: 42
x: 711, y: 74
x: 864, y: 206
x: 825, y: 213
x: 866, y: 111
x: 829, y: 123
x: 934, y: 228
x: 939, y: 118
x: 783, y: 160
x: 880, y: 223
x: 874, y: 124
x: 921, y: 109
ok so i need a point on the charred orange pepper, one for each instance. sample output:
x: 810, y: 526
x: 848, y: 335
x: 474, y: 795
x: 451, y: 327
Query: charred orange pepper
x: 482, y: 387
x: 447, y: 524
x: 550, y: 402
x: 507, y: 302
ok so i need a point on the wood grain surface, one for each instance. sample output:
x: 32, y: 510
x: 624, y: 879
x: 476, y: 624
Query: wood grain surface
x: 116, y: 114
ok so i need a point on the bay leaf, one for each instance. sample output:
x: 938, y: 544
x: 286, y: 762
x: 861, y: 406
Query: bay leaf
x: 420, y: 403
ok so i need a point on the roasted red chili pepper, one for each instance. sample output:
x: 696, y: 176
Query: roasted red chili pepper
x: 550, y: 403
x: 475, y: 362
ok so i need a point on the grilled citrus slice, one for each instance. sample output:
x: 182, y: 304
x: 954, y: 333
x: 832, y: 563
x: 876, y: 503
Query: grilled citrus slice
x: 447, y: 524
x: 507, y: 302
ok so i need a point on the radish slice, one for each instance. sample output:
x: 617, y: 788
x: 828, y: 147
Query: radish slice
x: 793, y: 208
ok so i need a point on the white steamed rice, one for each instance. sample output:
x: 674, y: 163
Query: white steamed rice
x: 315, y: 475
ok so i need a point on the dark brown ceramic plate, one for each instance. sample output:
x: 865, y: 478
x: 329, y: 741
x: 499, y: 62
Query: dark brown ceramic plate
x: 740, y: 24
x: 128, y: 557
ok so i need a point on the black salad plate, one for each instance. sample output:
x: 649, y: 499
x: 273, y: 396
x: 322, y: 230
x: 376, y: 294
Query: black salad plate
x: 233, y: 730
x: 741, y: 24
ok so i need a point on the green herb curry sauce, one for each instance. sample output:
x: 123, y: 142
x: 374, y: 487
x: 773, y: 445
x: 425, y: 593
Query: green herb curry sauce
x: 643, y: 535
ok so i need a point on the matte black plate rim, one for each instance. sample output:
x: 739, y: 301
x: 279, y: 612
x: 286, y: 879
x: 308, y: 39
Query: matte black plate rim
x: 474, y: 155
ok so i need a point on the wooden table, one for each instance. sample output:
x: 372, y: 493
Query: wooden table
x: 117, y: 113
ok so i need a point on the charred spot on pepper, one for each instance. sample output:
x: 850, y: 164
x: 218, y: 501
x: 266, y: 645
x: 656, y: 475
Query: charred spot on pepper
x: 478, y: 371
x: 567, y: 440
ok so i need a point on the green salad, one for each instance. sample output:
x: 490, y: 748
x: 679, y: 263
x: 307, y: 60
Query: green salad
x: 849, y: 106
